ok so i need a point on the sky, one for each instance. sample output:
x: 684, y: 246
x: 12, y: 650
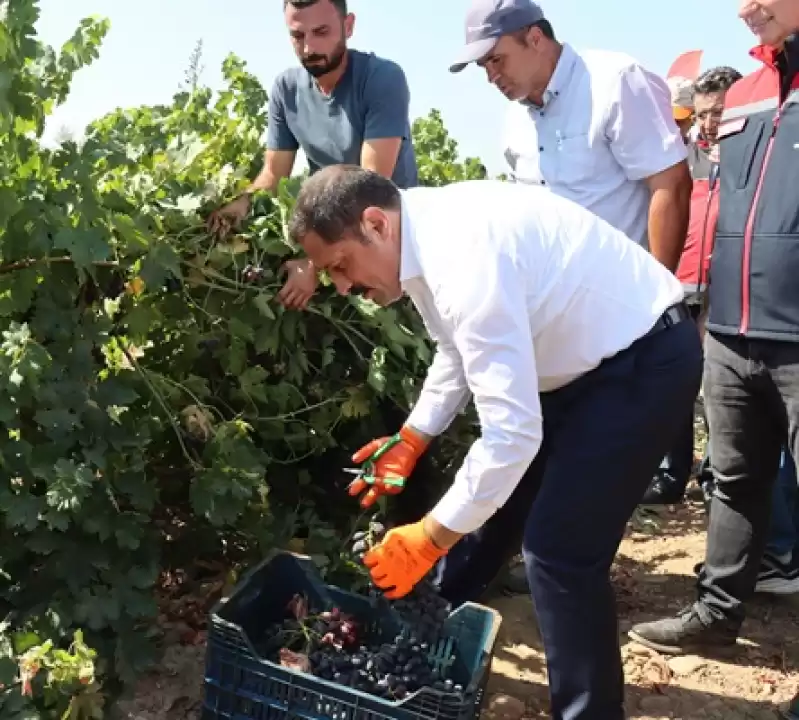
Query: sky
x: 146, y: 52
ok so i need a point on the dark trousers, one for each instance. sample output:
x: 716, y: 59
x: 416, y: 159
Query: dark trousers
x: 679, y: 460
x: 784, y: 534
x: 752, y: 402
x: 604, y: 436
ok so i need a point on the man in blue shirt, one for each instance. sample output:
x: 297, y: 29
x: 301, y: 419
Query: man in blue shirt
x: 340, y: 106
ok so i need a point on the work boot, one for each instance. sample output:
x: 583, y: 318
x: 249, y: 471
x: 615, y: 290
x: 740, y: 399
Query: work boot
x: 663, y: 490
x: 516, y: 580
x: 685, y: 633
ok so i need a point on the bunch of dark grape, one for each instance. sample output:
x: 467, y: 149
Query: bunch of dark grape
x: 252, y: 274
x: 329, y: 645
x: 389, y: 670
x: 423, y: 610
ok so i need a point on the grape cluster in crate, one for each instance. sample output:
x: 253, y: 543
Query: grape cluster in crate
x: 423, y: 609
x: 336, y: 646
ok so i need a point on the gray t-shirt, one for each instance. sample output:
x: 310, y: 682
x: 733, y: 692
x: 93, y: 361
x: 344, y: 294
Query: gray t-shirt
x: 370, y: 102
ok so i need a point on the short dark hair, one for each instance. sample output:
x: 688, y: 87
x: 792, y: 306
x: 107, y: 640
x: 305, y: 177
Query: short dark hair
x: 543, y: 24
x: 715, y: 80
x: 340, y: 5
x: 331, y: 202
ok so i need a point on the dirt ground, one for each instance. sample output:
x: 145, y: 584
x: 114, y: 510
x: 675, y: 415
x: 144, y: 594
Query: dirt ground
x: 653, y: 576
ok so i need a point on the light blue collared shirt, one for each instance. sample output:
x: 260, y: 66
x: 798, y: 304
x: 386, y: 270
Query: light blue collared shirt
x: 605, y: 126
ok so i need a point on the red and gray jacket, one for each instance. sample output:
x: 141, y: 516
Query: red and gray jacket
x: 692, y: 271
x: 754, y: 270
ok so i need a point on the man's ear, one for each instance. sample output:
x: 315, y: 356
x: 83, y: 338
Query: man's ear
x: 374, y: 222
x: 534, y: 36
x: 349, y: 25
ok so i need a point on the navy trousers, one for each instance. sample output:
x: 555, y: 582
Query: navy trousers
x: 604, y: 437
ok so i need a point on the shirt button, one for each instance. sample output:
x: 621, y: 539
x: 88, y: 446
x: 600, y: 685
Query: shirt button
x: 541, y: 149
x: 543, y: 182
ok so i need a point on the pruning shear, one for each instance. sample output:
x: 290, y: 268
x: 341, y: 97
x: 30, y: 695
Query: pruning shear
x: 366, y: 471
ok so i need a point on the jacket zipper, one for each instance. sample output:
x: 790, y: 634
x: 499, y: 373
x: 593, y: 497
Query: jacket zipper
x: 712, y: 180
x: 750, y: 228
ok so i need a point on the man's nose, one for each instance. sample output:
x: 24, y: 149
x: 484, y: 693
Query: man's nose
x: 746, y: 7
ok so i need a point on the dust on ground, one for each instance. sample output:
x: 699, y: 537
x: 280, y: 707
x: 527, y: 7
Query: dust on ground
x: 653, y: 577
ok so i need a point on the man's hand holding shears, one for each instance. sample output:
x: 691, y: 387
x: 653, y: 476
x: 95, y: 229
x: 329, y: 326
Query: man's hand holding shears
x: 407, y: 553
x: 387, y: 463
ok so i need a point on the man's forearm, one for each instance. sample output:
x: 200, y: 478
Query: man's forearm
x: 668, y: 226
x: 265, y: 182
x: 278, y: 164
x: 442, y: 537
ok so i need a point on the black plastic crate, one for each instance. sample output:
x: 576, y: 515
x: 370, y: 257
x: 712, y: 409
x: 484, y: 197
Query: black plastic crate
x: 241, y: 685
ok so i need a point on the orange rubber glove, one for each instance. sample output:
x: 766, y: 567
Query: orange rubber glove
x: 394, y: 463
x: 404, y: 557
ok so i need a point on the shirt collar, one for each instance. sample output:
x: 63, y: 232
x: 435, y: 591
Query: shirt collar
x: 409, y: 260
x: 769, y: 55
x: 560, y: 78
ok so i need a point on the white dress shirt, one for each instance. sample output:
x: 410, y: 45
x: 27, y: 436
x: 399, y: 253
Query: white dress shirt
x: 522, y: 292
x: 606, y: 125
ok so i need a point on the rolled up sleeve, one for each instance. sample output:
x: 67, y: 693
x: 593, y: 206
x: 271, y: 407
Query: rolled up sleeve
x: 493, y: 337
x: 640, y: 125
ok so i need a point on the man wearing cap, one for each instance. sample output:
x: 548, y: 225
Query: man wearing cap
x: 682, y: 105
x: 594, y: 127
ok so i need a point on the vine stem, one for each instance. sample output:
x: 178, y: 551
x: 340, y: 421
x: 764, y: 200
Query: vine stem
x: 160, y: 400
x: 30, y: 262
x: 307, y: 408
x: 184, y: 389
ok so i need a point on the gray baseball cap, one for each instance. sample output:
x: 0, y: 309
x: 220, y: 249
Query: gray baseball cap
x: 488, y: 20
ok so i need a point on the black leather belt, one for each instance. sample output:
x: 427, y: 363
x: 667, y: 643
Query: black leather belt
x: 673, y: 315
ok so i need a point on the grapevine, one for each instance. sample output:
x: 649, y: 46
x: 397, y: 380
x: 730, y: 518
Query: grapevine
x: 158, y: 407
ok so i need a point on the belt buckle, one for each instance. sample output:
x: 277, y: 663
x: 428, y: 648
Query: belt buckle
x: 673, y: 315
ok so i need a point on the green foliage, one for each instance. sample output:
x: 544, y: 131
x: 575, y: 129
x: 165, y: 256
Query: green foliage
x: 437, y: 154
x: 42, y: 680
x: 152, y: 392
